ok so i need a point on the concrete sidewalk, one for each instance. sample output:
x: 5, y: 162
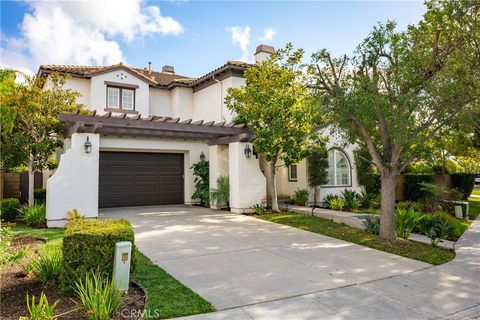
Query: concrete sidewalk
x: 449, y: 291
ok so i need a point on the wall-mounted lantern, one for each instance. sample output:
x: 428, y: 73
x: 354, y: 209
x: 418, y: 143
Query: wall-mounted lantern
x: 202, y: 156
x: 88, y: 145
x: 247, y: 151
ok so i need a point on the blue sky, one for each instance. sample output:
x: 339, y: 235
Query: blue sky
x: 195, y: 37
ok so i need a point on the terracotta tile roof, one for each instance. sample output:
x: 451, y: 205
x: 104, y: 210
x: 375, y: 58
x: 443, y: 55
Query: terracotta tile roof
x: 161, y: 79
x: 164, y: 78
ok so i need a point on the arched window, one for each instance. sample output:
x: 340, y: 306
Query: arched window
x: 338, y: 168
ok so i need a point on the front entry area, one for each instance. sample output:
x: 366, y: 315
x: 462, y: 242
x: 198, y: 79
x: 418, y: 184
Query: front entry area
x: 140, y: 179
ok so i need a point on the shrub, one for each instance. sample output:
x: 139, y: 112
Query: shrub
x: 438, y: 220
x: 328, y: 198
x: 366, y: 200
x: 48, y: 265
x: 406, y: 221
x: 366, y: 172
x: 202, y: 185
x: 35, y: 215
x: 220, y: 196
x: 412, y: 190
x: 40, y: 195
x: 337, y: 204
x: 42, y: 310
x: 372, y: 224
x: 464, y: 182
x: 351, y: 198
x: 89, y: 246
x: 439, y: 197
x: 74, y: 215
x: 300, y: 197
x: 9, y: 209
x: 259, y: 208
x: 100, y: 297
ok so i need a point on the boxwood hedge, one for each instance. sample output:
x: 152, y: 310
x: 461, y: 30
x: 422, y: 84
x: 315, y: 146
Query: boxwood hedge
x: 89, y: 245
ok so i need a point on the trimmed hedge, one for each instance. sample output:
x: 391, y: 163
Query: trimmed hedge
x: 9, y: 209
x: 89, y: 245
x: 40, y: 195
x: 464, y: 182
x: 413, y: 190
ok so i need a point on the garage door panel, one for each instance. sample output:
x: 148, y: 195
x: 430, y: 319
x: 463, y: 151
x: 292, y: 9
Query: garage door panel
x: 136, y: 179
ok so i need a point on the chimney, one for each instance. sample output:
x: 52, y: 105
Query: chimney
x: 149, y: 66
x: 263, y: 52
x: 168, y: 69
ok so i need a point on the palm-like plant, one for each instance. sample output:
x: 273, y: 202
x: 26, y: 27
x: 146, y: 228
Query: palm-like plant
x: 220, y: 196
x: 405, y: 221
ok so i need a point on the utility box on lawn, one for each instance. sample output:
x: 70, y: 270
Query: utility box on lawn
x: 121, y: 264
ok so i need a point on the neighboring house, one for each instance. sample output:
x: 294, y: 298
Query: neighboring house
x: 145, y: 131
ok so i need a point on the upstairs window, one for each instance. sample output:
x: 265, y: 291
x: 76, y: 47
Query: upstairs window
x: 120, y: 98
x: 338, y: 168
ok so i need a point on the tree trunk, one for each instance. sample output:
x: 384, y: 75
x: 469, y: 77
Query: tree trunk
x: 31, y: 181
x: 273, y: 185
x: 387, y: 217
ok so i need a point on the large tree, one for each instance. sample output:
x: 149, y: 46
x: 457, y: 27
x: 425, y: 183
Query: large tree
x: 400, y: 88
x: 36, y: 132
x: 279, y: 109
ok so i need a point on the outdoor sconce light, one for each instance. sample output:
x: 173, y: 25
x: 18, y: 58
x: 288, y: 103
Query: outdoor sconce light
x: 247, y: 151
x: 88, y: 146
x: 202, y: 156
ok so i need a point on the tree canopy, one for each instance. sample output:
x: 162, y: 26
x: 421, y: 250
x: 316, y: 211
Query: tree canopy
x: 401, y: 88
x: 279, y: 109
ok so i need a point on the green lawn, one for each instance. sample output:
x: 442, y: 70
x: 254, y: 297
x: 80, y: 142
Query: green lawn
x: 476, y: 192
x: 474, y: 209
x: 166, y: 296
x: 409, y: 249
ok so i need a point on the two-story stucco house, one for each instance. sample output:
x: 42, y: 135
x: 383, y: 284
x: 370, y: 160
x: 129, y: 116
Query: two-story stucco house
x: 146, y: 129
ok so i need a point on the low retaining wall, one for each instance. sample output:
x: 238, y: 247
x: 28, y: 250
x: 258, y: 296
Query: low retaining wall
x: 354, y: 220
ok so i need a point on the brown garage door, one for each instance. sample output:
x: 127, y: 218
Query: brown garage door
x: 140, y: 179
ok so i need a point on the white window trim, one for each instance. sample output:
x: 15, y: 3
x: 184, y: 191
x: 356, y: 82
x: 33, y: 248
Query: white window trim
x: 120, y: 97
x: 290, y: 173
x: 349, y: 184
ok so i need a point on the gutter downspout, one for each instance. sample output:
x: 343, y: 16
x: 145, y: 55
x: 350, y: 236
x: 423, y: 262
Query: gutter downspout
x: 221, y: 96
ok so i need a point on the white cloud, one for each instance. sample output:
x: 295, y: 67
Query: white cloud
x: 241, y: 36
x: 83, y: 32
x: 268, y: 34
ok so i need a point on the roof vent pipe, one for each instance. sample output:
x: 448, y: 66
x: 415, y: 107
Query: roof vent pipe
x: 149, y: 66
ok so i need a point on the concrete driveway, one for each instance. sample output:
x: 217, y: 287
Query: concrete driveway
x: 235, y: 260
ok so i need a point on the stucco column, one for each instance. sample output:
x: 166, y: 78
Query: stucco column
x: 218, y: 164
x: 247, y: 182
x: 74, y: 185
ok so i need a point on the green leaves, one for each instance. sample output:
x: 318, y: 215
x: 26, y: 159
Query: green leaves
x: 278, y: 107
x: 36, y: 130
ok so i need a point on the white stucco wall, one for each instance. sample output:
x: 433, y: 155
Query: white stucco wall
x: 159, y: 103
x: 98, y: 90
x: 181, y: 103
x: 287, y: 188
x: 74, y: 185
x: 83, y: 87
x: 247, y: 182
x: 190, y: 149
x: 209, y: 103
x: 218, y: 164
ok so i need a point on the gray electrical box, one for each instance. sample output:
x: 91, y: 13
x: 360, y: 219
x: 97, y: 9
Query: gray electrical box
x: 121, y: 264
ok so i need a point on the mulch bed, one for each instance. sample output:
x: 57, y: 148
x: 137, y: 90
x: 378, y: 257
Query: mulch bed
x: 15, y: 284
